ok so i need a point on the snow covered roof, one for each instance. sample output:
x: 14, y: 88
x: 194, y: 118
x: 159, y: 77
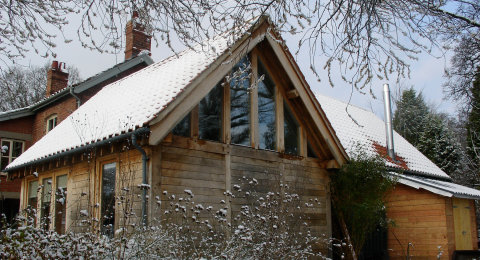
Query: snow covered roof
x: 129, y: 103
x: 364, y: 128
x: 78, y: 88
x: 443, y: 188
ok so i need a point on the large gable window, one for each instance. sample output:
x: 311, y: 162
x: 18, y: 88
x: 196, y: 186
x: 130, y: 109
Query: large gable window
x: 240, y: 103
x: 291, y: 132
x: 210, y: 115
x: 266, y: 109
x: 10, y: 149
x: 183, y: 127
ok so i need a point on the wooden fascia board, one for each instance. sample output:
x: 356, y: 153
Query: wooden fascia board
x: 310, y: 100
x: 201, y: 85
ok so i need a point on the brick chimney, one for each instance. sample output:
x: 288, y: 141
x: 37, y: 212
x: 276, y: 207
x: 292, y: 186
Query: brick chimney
x: 137, y: 39
x: 56, y: 78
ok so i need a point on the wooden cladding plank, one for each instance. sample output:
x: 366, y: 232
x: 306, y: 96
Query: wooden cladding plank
x: 193, y: 183
x: 196, y: 175
x: 172, y: 157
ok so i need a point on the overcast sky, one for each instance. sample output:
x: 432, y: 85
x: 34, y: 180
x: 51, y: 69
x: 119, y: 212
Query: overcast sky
x: 426, y: 73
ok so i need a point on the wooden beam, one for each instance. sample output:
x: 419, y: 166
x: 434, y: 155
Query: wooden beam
x: 279, y: 121
x: 226, y: 118
x: 292, y: 94
x: 254, y: 131
x: 194, y: 123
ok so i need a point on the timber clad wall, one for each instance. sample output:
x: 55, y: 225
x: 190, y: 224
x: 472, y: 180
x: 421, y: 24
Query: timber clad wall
x: 429, y: 221
x: 209, y: 169
x: 420, y: 219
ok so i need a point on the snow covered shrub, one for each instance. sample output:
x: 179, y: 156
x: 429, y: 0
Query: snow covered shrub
x: 255, y: 220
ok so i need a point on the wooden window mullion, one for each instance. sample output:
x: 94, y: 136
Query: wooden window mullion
x: 255, y: 138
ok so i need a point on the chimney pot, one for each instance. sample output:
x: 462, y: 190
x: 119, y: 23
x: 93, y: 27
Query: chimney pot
x: 56, y: 78
x: 137, y: 40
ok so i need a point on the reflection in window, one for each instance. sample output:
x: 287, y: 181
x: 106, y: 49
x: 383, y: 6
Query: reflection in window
x: 108, y: 199
x: 310, y: 152
x: 61, y: 204
x: 46, y: 202
x: 183, y: 127
x: 32, y: 200
x: 10, y: 150
x: 210, y: 115
x: 240, y: 103
x: 266, y: 109
x: 291, y: 131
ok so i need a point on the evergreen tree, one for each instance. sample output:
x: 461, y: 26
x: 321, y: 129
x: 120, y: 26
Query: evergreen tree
x: 427, y: 131
x: 473, y: 123
x: 409, y: 115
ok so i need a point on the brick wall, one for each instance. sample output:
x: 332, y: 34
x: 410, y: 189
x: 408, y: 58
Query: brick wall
x: 9, y: 185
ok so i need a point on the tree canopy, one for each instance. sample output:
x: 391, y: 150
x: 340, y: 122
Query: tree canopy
x: 21, y: 87
x: 362, y: 39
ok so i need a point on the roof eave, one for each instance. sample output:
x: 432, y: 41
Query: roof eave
x: 112, y: 72
x: 16, y: 114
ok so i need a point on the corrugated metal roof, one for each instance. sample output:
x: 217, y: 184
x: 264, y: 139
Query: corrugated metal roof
x: 443, y: 188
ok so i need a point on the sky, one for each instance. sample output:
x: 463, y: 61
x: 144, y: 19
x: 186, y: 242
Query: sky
x: 426, y: 73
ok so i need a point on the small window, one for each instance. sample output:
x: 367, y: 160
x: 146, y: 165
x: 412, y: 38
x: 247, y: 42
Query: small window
x: 32, y: 200
x: 240, y: 103
x: 51, y: 123
x: 210, y: 115
x: 108, y: 199
x: 10, y: 150
x: 46, y: 203
x: 291, y: 132
x: 61, y: 204
x: 266, y: 109
x: 183, y: 127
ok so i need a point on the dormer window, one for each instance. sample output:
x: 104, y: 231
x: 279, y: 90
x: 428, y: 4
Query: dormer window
x: 51, y: 122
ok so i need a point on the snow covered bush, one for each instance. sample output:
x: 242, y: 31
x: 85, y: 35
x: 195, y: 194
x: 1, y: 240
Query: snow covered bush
x: 269, y: 225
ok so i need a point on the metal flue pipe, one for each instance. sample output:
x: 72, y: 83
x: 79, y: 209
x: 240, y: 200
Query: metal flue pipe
x: 388, y: 121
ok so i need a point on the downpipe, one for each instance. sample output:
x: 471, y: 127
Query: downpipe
x: 144, y: 178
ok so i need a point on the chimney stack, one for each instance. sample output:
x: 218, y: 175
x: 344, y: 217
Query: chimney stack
x: 137, y: 40
x: 56, y: 78
x: 388, y: 121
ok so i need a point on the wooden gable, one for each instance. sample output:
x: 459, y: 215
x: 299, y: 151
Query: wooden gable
x: 263, y: 45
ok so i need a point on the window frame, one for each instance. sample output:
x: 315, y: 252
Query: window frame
x: 53, y: 117
x: 99, y: 190
x: 53, y: 176
x: 9, y: 155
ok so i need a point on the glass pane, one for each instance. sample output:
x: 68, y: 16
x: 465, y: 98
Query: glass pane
x: 3, y: 162
x: 266, y: 109
x: 210, y: 114
x: 61, y: 204
x: 240, y: 103
x: 310, y: 152
x: 17, y: 149
x: 183, y: 127
x: 108, y: 198
x: 46, y: 196
x: 5, y: 149
x: 291, y: 131
x: 32, y: 189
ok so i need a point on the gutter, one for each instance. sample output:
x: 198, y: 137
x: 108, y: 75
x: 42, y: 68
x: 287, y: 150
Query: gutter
x: 142, y: 130
x: 144, y: 178
x: 79, y: 102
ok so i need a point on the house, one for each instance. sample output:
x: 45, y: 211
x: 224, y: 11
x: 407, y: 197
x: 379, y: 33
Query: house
x: 20, y: 128
x: 431, y: 214
x: 200, y: 121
